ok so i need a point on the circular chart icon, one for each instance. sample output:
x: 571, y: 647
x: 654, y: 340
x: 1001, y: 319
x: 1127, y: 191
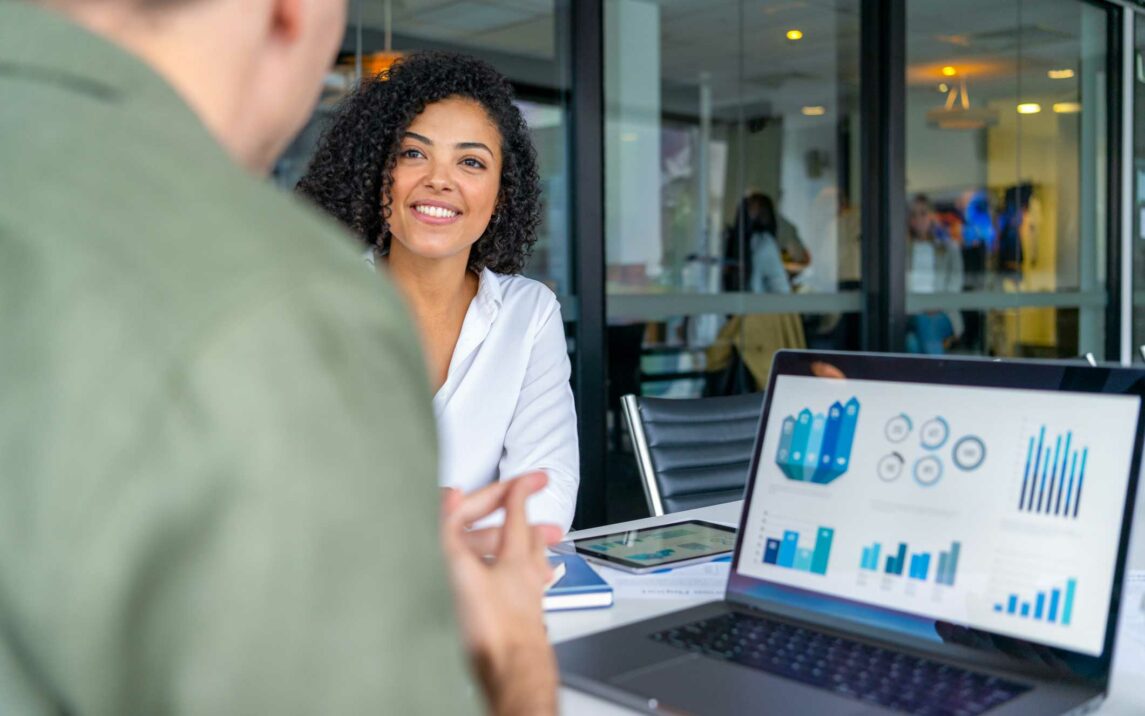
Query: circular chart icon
x: 969, y: 453
x: 928, y: 471
x: 890, y: 468
x: 898, y: 428
x: 934, y: 433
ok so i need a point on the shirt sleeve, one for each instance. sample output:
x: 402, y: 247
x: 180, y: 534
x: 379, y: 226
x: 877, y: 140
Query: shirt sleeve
x: 268, y: 543
x: 542, y: 434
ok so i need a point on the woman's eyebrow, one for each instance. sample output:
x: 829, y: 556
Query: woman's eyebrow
x: 474, y: 145
x: 418, y: 137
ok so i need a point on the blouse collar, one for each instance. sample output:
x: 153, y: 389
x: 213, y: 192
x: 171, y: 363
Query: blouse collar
x: 479, y: 319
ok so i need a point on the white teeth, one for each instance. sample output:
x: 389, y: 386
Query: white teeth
x: 437, y: 212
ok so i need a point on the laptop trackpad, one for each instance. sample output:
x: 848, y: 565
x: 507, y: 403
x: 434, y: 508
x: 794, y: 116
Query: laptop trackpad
x: 693, y: 683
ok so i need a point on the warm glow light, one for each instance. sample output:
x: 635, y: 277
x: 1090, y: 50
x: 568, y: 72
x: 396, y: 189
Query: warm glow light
x: 629, y: 137
x: 949, y: 71
x: 943, y: 87
x: 1067, y: 107
x: 376, y: 64
x: 814, y: 110
x: 1059, y: 74
x: 794, y: 35
x: 1029, y: 108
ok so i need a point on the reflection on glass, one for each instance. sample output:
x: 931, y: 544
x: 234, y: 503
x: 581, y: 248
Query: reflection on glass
x: 742, y: 149
x: 731, y: 161
x: 1006, y: 142
x: 730, y: 189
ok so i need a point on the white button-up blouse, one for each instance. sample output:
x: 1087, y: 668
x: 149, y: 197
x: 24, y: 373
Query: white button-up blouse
x: 506, y: 406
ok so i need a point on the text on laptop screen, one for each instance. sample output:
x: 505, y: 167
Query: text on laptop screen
x: 995, y: 508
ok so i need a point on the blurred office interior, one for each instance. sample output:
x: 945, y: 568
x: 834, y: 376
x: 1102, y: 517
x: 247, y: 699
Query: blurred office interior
x: 726, y: 178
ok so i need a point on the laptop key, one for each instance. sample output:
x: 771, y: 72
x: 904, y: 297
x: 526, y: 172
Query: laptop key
x: 848, y: 668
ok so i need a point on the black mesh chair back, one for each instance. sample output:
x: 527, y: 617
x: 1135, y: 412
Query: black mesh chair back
x: 693, y: 452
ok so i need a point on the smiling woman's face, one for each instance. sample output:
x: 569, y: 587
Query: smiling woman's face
x: 446, y: 180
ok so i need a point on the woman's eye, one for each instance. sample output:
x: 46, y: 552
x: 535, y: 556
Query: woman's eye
x: 412, y: 154
x: 473, y: 163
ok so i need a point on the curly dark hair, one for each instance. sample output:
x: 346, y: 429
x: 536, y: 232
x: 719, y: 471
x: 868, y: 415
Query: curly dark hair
x: 352, y: 169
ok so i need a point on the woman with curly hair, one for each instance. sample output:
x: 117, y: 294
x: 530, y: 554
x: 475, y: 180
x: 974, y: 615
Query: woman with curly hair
x: 432, y: 166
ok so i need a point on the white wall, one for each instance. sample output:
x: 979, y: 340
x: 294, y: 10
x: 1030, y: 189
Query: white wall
x: 939, y: 160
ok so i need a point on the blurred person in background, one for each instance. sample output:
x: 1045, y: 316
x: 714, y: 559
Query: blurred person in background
x: 217, y: 453
x: 934, y: 265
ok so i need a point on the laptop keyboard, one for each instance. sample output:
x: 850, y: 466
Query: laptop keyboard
x: 849, y: 668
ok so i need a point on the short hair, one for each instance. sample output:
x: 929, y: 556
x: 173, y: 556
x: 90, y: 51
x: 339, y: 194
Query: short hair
x: 351, y: 174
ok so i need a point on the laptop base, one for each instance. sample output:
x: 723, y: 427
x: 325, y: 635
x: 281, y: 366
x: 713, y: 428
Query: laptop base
x: 627, y: 666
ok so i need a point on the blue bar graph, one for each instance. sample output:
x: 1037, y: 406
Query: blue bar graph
x: 1053, y: 476
x: 787, y: 553
x: 1036, y: 608
x: 919, y: 567
x: 871, y: 557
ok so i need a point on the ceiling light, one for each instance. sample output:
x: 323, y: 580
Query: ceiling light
x: 1067, y: 107
x: 943, y: 87
x: 814, y: 110
x: 957, y: 112
x: 1059, y: 74
x: 949, y: 71
x: 1029, y: 108
x: 794, y: 35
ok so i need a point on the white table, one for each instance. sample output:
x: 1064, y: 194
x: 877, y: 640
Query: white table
x: 1127, y: 689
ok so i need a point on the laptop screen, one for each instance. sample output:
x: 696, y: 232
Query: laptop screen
x: 995, y: 508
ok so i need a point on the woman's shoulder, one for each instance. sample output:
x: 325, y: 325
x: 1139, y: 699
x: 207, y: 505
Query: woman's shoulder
x: 522, y: 292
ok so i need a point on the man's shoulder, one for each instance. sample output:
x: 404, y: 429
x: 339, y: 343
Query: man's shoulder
x: 163, y: 260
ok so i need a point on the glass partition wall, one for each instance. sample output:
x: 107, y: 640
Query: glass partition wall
x: 731, y: 197
x: 1007, y: 118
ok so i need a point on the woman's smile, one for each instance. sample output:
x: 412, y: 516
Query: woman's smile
x: 436, y: 212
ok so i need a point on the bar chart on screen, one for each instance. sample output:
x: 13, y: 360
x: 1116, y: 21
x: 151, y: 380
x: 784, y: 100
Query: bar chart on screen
x: 1052, y: 605
x: 787, y: 551
x: 921, y: 567
x: 1053, y: 475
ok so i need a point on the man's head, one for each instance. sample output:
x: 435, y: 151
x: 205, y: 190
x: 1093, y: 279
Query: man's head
x: 251, y: 69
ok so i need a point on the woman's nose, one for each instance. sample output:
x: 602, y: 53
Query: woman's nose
x: 437, y: 178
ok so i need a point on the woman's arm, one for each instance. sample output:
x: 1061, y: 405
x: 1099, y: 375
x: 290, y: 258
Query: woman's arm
x: 542, y: 433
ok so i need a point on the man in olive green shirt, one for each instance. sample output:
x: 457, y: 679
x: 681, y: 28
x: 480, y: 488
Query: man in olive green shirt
x: 217, y: 472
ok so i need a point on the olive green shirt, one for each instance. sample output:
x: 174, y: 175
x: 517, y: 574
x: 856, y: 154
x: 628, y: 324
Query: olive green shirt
x: 218, y: 487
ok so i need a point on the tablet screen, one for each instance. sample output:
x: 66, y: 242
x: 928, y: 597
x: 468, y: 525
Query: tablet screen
x: 663, y: 545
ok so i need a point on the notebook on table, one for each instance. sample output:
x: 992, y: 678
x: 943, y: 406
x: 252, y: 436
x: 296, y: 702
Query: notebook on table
x: 578, y: 587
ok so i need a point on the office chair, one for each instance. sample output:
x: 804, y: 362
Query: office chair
x: 695, y: 452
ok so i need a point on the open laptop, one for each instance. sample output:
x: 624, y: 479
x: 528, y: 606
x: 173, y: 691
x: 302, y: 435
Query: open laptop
x: 919, y: 535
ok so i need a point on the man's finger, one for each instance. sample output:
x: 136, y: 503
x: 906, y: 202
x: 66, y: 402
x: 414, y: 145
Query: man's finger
x: 479, y: 503
x: 483, y: 542
x: 551, y: 533
x: 483, y: 502
x: 515, y: 535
